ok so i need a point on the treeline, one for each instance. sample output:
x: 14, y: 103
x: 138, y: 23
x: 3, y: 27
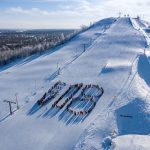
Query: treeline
x: 20, y: 45
x: 17, y: 45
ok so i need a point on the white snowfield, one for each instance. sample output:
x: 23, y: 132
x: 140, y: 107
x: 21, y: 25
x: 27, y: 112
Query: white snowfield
x: 114, y: 59
x: 133, y: 142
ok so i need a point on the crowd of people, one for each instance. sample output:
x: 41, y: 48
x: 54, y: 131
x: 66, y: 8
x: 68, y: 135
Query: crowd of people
x: 85, y: 97
x: 70, y: 93
x: 81, y: 112
x: 76, y: 88
x: 52, y: 92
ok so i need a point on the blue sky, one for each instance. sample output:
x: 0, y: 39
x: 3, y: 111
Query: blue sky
x: 65, y: 13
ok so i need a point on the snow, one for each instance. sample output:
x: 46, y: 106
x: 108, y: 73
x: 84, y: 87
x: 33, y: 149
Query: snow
x: 130, y: 98
x: 134, y: 142
x: 31, y: 74
x: 113, y: 59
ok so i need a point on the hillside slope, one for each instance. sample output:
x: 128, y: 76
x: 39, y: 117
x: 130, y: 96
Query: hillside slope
x: 108, y: 55
x: 129, y: 111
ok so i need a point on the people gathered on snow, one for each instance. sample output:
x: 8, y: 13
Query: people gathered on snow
x: 71, y: 100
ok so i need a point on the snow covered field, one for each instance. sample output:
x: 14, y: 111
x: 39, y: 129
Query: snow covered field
x: 111, y: 55
x: 134, y: 142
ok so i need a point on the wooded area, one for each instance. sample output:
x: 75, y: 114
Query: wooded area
x: 16, y: 45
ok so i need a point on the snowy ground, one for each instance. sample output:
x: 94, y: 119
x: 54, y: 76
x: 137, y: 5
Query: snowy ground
x: 114, y: 59
x: 130, y: 111
x: 134, y: 142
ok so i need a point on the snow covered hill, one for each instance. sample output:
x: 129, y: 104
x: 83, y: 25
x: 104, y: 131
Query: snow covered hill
x: 134, y: 142
x: 111, y: 55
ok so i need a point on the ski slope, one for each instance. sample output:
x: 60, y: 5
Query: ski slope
x: 110, y: 54
x: 131, y: 142
x: 128, y: 114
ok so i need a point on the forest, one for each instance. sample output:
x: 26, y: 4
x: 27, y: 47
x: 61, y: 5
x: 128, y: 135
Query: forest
x: 16, y: 44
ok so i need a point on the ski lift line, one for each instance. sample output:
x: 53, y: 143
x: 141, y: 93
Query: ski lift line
x: 126, y: 85
x: 89, y: 45
x: 65, y: 66
x: 129, y: 85
x: 134, y: 63
x: 126, y: 82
